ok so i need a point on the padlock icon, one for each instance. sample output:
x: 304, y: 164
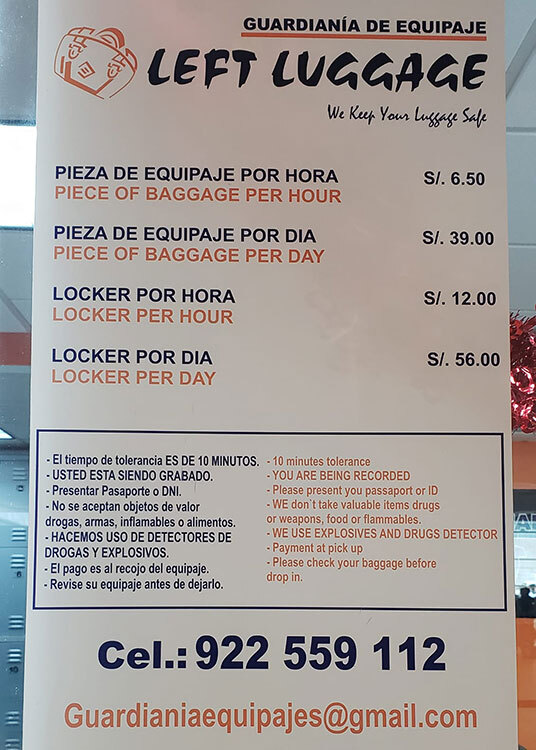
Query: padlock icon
x: 95, y: 61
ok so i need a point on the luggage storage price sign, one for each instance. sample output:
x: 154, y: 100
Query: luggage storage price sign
x: 270, y: 418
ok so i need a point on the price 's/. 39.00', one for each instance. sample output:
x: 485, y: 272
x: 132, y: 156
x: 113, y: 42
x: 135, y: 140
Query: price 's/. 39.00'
x: 463, y: 237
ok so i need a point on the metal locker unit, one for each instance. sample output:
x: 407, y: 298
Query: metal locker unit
x: 13, y: 578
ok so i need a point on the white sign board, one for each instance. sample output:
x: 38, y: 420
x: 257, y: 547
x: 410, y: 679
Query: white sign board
x: 270, y: 408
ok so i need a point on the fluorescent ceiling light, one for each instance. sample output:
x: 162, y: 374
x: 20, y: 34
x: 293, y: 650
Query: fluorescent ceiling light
x: 5, y: 435
x: 17, y: 176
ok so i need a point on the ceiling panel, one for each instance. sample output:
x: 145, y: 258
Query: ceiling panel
x: 10, y: 322
x: 523, y: 279
x: 16, y: 263
x: 18, y: 59
x: 521, y: 105
x: 521, y: 153
x: 519, y: 16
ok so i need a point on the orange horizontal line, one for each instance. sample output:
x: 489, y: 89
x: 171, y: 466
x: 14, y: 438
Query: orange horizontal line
x: 322, y: 35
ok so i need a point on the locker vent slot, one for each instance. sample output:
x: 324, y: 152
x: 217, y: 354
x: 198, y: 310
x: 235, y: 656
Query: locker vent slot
x: 14, y: 656
x: 18, y: 561
x: 16, y: 622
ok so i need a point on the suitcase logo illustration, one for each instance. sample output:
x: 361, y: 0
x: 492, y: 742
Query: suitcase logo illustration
x: 95, y: 61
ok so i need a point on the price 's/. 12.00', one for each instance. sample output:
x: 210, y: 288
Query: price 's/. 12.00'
x: 464, y: 298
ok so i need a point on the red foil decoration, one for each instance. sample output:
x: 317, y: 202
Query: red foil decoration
x: 523, y: 372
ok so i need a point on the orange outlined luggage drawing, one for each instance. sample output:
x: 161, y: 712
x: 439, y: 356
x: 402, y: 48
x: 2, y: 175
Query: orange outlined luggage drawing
x: 96, y: 61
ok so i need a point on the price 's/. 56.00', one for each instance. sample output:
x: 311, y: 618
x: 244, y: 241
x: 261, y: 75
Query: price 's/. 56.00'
x: 465, y: 359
